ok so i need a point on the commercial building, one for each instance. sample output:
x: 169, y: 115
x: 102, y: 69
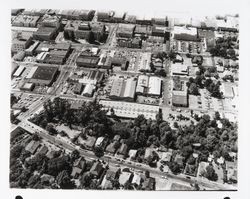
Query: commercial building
x: 85, y: 15
x: 19, y: 56
x: 144, y: 63
x: 87, y: 61
x: 30, y: 51
x: 25, y: 21
x: 118, y: 17
x: 129, y: 43
x: 19, y: 71
x: 45, y: 33
x: 20, y: 42
x: 88, y: 90
x: 116, y: 89
x: 179, y: 69
x: 44, y: 75
x: 130, y: 110
x: 77, y: 30
x: 50, y: 21
x: 78, y: 88
x: 143, y: 30
x: 142, y: 84
x: 125, y: 30
x: 96, y: 75
x: 27, y: 86
x: 105, y: 61
x: 143, y: 20
x: 104, y: 16
x: 180, y: 98
x: 154, y: 86
x: 185, y: 33
x: 130, y: 18
x: 160, y: 21
x: 159, y: 31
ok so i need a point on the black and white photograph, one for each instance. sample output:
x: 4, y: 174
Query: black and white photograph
x: 112, y: 98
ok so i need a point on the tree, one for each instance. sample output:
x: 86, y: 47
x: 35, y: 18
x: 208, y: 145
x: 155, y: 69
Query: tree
x: 210, y: 173
x: 193, y: 89
x: 64, y: 181
x: 75, y: 155
x: 99, y: 152
x: 174, y: 167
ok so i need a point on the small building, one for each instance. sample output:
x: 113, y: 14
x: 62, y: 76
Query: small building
x: 231, y: 168
x: 89, y: 144
x: 137, y: 179
x: 179, y: 160
x: 32, y: 146
x: 179, y: 69
x: 78, y: 88
x: 26, y: 86
x: 132, y: 154
x: 19, y: 56
x: 87, y: 61
x: 111, y: 149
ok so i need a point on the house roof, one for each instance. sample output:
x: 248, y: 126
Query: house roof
x: 124, y: 177
x: 96, y: 169
x: 123, y: 149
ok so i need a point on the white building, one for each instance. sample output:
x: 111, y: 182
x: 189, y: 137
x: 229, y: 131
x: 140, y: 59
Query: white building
x: 154, y: 86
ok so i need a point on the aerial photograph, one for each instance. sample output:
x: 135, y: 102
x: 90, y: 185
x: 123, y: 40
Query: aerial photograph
x: 111, y: 100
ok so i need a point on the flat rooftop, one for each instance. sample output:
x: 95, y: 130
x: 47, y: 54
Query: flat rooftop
x: 45, y: 72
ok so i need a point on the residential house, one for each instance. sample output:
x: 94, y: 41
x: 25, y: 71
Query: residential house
x: 78, y: 167
x: 96, y: 169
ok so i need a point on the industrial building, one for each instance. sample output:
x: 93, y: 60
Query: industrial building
x: 123, y: 89
x: 96, y: 75
x: 30, y: 51
x: 125, y: 30
x: 44, y: 75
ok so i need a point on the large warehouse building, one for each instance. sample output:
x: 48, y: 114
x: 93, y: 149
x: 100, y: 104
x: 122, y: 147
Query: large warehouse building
x: 44, y: 75
x: 123, y: 89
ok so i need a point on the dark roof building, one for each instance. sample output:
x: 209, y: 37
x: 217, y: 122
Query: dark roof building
x: 125, y: 30
x: 149, y: 184
x: 87, y: 61
x: 32, y: 146
x: 44, y: 75
x: 78, y: 167
x: 45, y: 33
